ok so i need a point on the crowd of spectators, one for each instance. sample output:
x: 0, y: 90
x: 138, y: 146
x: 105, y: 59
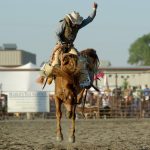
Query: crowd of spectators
x: 122, y: 102
x: 118, y: 102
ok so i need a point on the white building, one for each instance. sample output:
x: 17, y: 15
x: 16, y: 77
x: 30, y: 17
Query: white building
x: 133, y: 75
x: 24, y: 94
x: 21, y: 78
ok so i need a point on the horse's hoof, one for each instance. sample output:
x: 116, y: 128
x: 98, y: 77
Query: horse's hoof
x: 71, y: 139
x: 59, y: 138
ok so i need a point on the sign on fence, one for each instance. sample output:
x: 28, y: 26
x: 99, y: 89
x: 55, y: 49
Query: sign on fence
x: 28, y: 101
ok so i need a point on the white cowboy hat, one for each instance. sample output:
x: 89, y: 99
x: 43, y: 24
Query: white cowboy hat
x: 75, y: 18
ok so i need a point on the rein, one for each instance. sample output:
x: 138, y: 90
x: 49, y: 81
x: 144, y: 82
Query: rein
x: 45, y: 83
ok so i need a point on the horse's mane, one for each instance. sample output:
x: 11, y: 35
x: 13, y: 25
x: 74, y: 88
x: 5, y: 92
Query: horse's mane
x: 91, y: 53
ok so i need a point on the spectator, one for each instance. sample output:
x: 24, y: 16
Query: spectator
x: 146, y: 93
x: 89, y: 98
x: 137, y: 98
x: 3, y: 105
x: 138, y: 94
x: 107, y: 91
x: 146, y: 102
x: 128, y: 96
x: 106, y: 105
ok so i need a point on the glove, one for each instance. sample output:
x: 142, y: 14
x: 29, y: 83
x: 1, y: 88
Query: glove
x: 62, y: 44
x: 95, y: 5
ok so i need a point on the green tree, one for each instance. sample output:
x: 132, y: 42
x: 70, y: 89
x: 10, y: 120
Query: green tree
x: 139, y: 52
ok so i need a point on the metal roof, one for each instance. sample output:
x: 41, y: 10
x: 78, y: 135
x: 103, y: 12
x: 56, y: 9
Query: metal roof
x: 9, y: 46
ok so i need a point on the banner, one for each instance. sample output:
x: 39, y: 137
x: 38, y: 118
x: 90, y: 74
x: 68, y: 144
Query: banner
x: 28, y: 101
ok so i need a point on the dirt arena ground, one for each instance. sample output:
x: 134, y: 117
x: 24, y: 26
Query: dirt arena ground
x: 109, y: 134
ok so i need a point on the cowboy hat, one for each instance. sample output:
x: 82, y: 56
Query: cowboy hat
x: 75, y: 18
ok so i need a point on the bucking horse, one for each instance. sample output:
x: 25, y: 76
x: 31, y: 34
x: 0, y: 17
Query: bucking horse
x: 67, y: 87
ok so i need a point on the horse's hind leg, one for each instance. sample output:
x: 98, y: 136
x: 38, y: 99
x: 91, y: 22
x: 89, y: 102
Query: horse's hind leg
x: 72, y: 129
x: 59, y: 135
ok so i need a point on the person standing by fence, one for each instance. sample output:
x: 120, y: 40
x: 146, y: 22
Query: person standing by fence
x: 3, y: 106
x: 137, y: 100
x: 106, y: 106
x: 146, y: 102
x: 146, y: 93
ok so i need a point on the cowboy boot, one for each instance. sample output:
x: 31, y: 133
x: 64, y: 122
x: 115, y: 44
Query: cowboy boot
x: 47, y: 69
x: 45, y: 72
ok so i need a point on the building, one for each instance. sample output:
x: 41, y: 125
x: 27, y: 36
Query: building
x: 10, y: 56
x: 22, y: 78
x: 133, y: 75
x: 23, y: 93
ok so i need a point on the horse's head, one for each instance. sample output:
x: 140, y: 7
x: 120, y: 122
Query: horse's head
x: 68, y: 69
x: 69, y: 63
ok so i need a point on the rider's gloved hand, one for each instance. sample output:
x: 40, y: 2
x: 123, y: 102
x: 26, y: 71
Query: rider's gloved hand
x: 95, y: 5
x: 59, y: 43
x: 63, y: 46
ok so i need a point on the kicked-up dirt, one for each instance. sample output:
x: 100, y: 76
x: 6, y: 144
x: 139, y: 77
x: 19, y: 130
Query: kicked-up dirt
x: 98, y: 134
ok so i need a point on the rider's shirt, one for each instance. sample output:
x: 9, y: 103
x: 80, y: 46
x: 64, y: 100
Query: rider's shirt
x: 67, y: 33
x: 70, y: 31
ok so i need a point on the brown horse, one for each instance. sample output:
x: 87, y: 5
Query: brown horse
x: 67, y: 88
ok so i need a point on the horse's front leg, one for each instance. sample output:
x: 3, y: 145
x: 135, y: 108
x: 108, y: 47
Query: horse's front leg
x: 59, y: 135
x: 72, y: 129
x: 80, y: 96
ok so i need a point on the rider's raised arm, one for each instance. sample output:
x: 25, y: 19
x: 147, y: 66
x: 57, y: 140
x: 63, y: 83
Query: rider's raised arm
x: 59, y: 31
x: 90, y: 17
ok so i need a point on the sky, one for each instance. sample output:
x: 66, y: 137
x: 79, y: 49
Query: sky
x: 31, y: 24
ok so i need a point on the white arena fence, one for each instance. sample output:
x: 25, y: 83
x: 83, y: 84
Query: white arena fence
x: 41, y: 104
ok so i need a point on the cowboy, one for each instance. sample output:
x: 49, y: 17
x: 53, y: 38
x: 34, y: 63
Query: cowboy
x: 65, y: 34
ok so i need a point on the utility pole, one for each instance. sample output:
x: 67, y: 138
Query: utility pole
x: 1, y: 89
x: 116, y: 94
x: 116, y: 81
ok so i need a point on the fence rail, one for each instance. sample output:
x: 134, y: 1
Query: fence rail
x: 118, y: 109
